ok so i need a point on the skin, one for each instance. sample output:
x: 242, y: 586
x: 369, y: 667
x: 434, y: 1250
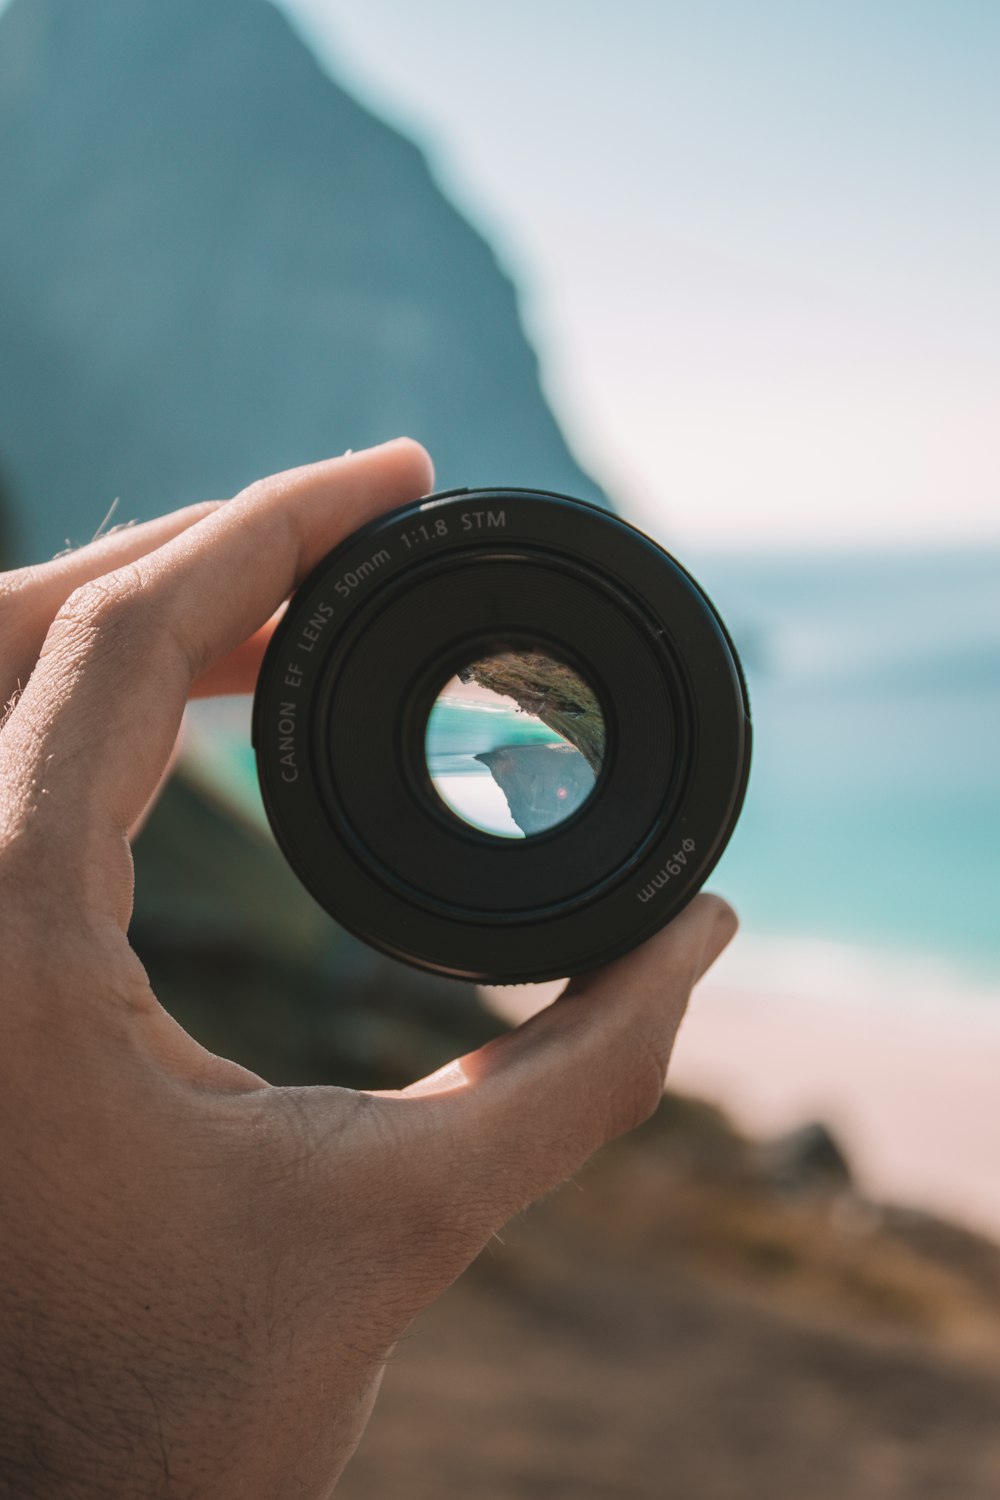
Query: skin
x: 202, y: 1276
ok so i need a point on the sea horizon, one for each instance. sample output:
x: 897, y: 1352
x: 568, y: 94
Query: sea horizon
x: 869, y: 839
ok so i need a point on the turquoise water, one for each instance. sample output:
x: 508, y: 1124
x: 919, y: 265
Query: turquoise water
x: 458, y: 732
x: 873, y: 814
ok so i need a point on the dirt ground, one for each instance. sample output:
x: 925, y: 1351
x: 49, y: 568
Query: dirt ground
x: 691, y: 1321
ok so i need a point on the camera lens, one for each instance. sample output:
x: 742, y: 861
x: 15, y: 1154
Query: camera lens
x: 515, y: 742
x: 501, y: 734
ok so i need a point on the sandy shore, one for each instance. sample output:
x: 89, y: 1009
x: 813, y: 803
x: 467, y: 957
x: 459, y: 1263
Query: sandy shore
x: 916, y: 1103
x: 901, y: 1062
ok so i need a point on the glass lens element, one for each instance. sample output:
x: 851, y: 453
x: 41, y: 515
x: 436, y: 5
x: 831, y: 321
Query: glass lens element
x: 515, y: 742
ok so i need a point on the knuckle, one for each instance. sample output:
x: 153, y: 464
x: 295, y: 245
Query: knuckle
x: 258, y: 489
x: 101, y: 602
x: 93, y: 618
x: 115, y: 616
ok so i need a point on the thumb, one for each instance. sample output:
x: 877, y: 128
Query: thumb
x: 526, y: 1110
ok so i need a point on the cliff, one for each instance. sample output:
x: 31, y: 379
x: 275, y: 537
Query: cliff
x: 543, y: 784
x: 550, y: 691
x: 214, y: 263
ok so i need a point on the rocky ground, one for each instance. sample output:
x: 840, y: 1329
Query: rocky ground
x: 698, y: 1319
x: 694, y: 1317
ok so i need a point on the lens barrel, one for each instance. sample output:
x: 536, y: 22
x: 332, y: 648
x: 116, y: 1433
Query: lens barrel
x: 354, y: 670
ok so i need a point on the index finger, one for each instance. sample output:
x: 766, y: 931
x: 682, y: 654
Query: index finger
x: 83, y: 749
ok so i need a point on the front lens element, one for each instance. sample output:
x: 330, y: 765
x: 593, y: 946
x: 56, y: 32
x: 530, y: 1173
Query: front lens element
x: 515, y: 742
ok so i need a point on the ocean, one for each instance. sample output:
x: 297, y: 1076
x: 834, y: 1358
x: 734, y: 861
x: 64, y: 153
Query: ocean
x: 870, y: 840
x: 873, y: 813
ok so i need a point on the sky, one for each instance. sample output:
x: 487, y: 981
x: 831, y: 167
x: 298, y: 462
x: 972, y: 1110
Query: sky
x: 757, y: 245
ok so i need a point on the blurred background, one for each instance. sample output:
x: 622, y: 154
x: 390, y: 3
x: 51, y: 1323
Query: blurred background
x: 730, y: 270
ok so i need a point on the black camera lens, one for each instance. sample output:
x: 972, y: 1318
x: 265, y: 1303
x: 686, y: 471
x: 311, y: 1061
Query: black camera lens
x: 502, y: 735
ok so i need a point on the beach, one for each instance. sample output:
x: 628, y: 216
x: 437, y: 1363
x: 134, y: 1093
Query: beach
x: 899, y: 1058
x: 913, y: 1100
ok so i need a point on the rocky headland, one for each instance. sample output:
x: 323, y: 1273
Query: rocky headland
x: 549, y: 690
x: 543, y: 784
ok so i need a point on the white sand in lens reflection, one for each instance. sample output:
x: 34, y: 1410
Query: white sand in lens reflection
x: 479, y: 801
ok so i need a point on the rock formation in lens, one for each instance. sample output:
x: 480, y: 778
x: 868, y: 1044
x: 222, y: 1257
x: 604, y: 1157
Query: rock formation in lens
x: 543, y: 784
x: 549, y: 690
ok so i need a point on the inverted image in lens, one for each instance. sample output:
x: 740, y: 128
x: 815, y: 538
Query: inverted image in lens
x: 514, y: 743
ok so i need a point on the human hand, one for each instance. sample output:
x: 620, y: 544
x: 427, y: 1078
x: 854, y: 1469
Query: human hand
x: 201, y: 1276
